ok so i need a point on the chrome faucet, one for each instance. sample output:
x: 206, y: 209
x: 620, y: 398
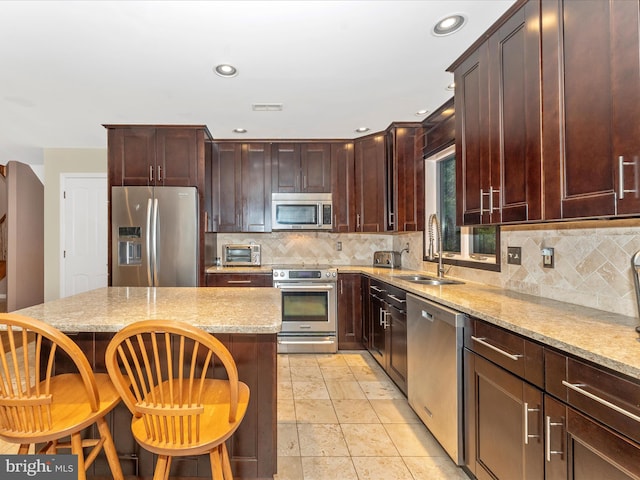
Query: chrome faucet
x: 433, y: 218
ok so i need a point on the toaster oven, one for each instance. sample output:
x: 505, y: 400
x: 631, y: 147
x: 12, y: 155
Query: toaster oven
x: 235, y: 255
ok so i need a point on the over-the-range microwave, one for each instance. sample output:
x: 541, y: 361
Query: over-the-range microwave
x: 301, y: 211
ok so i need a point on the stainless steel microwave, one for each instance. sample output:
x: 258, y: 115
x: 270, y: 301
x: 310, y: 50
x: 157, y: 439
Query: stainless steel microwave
x: 301, y: 211
x: 234, y: 255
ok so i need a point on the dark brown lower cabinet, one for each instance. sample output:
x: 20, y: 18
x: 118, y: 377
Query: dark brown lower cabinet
x: 581, y: 448
x: 503, y: 417
x: 252, y: 448
x: 349, y: 311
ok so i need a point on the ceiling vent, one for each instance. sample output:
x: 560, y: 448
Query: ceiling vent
x: 267, y: 107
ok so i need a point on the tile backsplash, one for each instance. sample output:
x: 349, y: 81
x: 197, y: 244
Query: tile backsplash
x: 592, y: 258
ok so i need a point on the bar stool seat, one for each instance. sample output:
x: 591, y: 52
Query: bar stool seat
x: 39, y: 407
x: 181, y: 385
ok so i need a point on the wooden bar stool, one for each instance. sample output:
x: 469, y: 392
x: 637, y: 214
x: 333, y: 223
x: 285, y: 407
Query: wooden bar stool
x: 39, y: 407
x: 182, y: 401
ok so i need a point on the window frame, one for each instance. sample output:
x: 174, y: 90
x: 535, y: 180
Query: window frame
x: 432, y: 193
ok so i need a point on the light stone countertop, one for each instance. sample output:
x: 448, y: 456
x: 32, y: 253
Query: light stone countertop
x: 216, y: 310
x: 605, y: 338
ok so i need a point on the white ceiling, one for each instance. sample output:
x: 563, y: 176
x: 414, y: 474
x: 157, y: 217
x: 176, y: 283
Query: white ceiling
x: 67, y: 67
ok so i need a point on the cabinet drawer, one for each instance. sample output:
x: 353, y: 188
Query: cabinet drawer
x: 239, y: 280
x: 512, y: 352
x: 610, y: 398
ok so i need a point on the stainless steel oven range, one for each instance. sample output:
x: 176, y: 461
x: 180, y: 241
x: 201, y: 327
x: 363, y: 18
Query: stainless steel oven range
x: 309, y: 309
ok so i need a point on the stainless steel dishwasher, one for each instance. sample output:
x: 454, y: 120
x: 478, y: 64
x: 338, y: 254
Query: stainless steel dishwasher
x: 434, y: 370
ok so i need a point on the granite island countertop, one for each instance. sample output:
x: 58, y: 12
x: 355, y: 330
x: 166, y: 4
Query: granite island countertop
x: 216, y: 310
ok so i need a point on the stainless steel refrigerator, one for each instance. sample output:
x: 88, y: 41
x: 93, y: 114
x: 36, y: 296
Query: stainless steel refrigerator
x: 154, y: 236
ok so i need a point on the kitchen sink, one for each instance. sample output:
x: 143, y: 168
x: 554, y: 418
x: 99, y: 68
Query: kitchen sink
x: 427, y: 280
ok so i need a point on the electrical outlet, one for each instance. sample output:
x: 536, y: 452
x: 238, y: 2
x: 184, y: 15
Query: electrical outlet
x: 514, y: 255
x: 339, y: 246
x: 547, y: 258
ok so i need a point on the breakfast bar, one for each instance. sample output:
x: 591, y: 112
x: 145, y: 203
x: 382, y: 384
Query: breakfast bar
x: 246, y: 320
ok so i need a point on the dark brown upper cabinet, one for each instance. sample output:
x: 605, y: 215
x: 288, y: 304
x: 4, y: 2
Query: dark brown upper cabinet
x: 301, y: 167
x: 240, y: 187
x: 343, y: 187
x: 370, y: 184
x: 405, y: 177
x: 591, y: 108
x: 157, y: 155
x: 498, y: 130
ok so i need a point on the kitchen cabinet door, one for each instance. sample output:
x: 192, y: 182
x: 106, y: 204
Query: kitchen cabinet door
x: 590, y: 50
x: 581, y: 448
x: 514, y: 103
x: 343, y: 187
x: 473, y: 162
x: 405, y: 178
x: 396, y: 319
x: 226, y: 187
x: 156, y: 155
x: 378, y: 340
x: 239, y: 280
x: 370, y: 184
x: 366, y: 312
x: 503, y: 438
x: 349, y: 311
x: 301, y: 167
x: 256, y: 187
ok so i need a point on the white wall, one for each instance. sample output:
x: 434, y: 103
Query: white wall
x: 56, y: 162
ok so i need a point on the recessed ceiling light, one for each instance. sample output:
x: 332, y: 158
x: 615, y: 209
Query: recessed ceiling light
x: 422, y: 112
x: 449, y: 24
x: 226, y: 70
x: 239, y: 130
x: 451, y: 86
x: 362, y: 129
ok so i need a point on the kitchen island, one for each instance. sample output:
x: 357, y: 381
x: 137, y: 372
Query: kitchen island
x: 246, y: 320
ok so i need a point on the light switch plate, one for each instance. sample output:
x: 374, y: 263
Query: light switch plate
x: 547, y: 258
x: 514, y: 255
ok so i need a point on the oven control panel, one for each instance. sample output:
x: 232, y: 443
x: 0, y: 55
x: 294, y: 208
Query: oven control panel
x: 306, y: 274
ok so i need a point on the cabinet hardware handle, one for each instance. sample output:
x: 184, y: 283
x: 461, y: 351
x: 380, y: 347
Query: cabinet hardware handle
x: 548, y: 450
x: 151, y: 173
x: 385, y: 322
x: 399, y: 300
x: 159, y: 173
x: 376, y: 289
x: 576, y: 388
x: 528, y: 410
x: 482, y: 341
x: 238, y: 281
x: 621, y: 165
x: 357, y: 220
x: 341, y: 288
x: 491, y: 192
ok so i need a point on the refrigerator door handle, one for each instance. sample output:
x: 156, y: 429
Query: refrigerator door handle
x: 154, y: 244
x: 149, y: 234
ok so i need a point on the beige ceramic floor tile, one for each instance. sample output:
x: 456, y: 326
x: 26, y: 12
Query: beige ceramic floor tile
x: 384, y: 389
x: 328, y: 468
x: 286, y: 410
x: 307, y: 373
x: 394, y: 411
x: 7, y: 448
x: 381, y: 468
x: 321, y: 440
x: 302, y: 360
x: 284, y: 374
x: 434, y: 468
x: 368, y: 440
x: 288, y: 445
x: 366, y: 373
x: 289, y: 468
x: 413, y: 440
x: 282, y: 360
x: 315, y: 411
x: 355, y: 411
x: 338, y: 373
x: 356, y: 358
x: 331, y: 360
x: 310, y: 390
x: 344, y: 390
x: 285, y: 389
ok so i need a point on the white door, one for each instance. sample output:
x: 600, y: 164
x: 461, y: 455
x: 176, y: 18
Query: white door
x: 84, y: 233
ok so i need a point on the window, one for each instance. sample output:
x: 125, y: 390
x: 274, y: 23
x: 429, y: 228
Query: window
x: 476, y: 247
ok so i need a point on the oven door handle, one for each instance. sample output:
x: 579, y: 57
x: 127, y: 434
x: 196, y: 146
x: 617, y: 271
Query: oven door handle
x: 323, y: 287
